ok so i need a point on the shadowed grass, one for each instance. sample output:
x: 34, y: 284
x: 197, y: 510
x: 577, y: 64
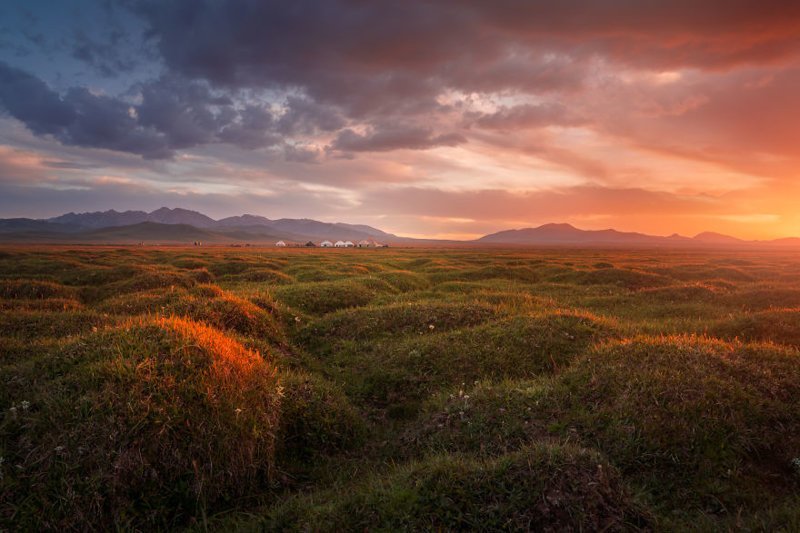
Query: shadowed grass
x: 555, y: 488
x: 396, y: 375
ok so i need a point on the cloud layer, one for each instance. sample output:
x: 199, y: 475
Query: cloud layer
x: 436, y: 112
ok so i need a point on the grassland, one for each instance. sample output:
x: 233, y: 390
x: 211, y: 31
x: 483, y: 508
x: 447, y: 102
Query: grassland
x: 223, y: 388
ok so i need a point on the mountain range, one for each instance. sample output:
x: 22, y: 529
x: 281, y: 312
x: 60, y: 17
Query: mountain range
x: 178, y: 225
x: 181, y: 225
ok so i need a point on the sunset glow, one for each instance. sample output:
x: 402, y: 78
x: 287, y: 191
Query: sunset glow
x: 445, y: 119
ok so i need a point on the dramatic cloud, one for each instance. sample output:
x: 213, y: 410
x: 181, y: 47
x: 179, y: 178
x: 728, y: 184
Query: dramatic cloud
x: 515, y: 111
x: 394, y: 138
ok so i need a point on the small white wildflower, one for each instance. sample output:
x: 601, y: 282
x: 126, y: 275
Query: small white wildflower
x: 431, y: 327
x: 466, y: 396
x: 297, y: 319
x: 25, y: 404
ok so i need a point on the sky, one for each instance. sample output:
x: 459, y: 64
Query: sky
x: 441, y: 119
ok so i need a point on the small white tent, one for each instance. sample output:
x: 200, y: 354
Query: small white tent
x: 348, y: 244
x: 280, y: 244
x: 340, y: 244
x: 365, y: 244
x: 326, y: 244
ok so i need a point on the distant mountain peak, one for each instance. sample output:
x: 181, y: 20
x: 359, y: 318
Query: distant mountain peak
x: 711, y: 236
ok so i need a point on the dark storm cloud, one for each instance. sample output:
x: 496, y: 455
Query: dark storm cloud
x: 412, y: 49
x: 307, y: 117
x: 173, y: 114
x: 263, y: 74
x: 104, y: 56
x: 30, y: 100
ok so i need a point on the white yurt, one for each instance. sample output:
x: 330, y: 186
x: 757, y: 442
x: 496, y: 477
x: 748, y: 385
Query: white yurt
x: 340, y: 244
x: 326, y: 244
x: 280, y: 244
x: 348, y: 244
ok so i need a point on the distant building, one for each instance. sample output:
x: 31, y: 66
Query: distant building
x: 280, y: 244
x: 366, y: 244
x: 340, y: 244
x: 310, y: 244
x: 348, y: 244
x: 326, y: 244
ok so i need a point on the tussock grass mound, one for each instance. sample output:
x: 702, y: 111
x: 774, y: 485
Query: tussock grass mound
x: 203, y: 303
x: 326, y: 296
x: 94, y: 275
x: 706, y: 272
x: 190, y: 263
x: 50, y: 304
x: 620, y: 277
x: 320, y: 272
x: 394, y: 374
x: 777, y: 325
x: 316, y: 419
x: 541, y: 488
x: 264, y: 275
x: 679, y: 294
x: 142, y: 426
x: 40, y: 324
x: 20, y: 349
x: 518, y: 273
x: 404, y: 280
x: 696, y: 420
x: 370, y: 323
x: 486, y: 419
x: 33, y: 290
x: 765, y: 298
x: 154, y: 278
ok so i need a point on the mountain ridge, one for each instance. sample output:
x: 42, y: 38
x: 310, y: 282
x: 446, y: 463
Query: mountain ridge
x: 184, y: 225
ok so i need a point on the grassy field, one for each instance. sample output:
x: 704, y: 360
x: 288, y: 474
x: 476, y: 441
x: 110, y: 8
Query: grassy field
x: 332, y: 390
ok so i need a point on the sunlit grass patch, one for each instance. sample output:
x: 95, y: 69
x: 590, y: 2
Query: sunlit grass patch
x: 149, y: 424
x: 760, y: 298
x: 203, y: 303
x: 778, y: 325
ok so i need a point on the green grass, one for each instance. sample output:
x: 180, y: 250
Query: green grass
x: 399, y: 389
